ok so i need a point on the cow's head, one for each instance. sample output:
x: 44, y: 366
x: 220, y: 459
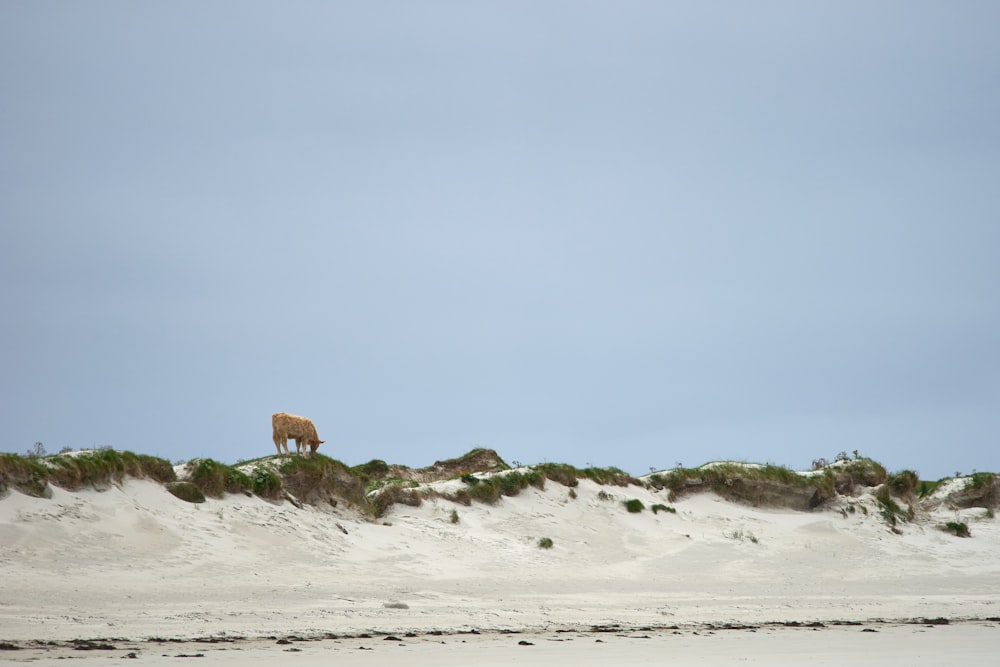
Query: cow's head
x: 314, y: 445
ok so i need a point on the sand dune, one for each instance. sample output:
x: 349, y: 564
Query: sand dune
x: 135, y: 562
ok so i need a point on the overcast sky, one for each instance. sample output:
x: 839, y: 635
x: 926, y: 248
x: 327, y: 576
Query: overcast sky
x: 611, y: 233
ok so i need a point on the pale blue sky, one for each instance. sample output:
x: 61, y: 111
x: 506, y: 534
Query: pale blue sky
x: 615, y: 233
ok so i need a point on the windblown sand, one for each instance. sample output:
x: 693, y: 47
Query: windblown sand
x: 713, y: 583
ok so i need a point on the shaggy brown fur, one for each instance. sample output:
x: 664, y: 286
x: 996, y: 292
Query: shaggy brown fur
x: 285, y: 426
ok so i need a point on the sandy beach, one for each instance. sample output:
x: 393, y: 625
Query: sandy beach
x: 133, y: 568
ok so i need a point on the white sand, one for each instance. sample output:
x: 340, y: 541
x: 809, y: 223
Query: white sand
x: 134, y: 562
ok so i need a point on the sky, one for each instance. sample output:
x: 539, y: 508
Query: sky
x: 632, y: 234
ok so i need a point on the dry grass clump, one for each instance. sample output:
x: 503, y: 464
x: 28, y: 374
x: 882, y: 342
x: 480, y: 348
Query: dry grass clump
x: 490, y: 489
x: 317, y: 478
x: 759, y: 486
x: 610, y: 477
x: 982, y: 490
x: 903, y: 484
x: 560, y: 473
x: 863, y: 473
x: 399, y: 492
x: 568, y: 475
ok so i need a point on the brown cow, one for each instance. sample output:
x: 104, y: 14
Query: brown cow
x: 287, y: 426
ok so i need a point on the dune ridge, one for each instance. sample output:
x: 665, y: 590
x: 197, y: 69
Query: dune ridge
x: 712, y: 545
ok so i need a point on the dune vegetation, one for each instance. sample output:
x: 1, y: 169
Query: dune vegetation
x: 482, y: 476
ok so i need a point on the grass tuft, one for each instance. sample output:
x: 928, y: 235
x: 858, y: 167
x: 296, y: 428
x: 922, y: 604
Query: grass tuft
x: 957, y: 528
x: 891, y: 512
x: 634, y: 505
x: 186, y: 491
x: 217, y: 479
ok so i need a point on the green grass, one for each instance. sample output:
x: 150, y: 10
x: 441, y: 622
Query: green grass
x: 97, y: 469
x: 926, y: 488
x: 265, y: 482
x: 560, y: 473
x: 634, y: 505
x: 217, y: 479
x: 545, y: 543
x: 374, y: 469
x: 958, y: 528
x: 891, y: 512
x: 489, y: 490
x: 610, y: 477
x: 319, y: 479
x: 759, y: 486
x: 186, y: 491
x: 777, y: 486
x: 393, y: 493
x: 567, y: 475
x: 28, y: 475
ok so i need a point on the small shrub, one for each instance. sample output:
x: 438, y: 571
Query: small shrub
x: 454, y: 516
x: 958, y: 529
x: 216, y: 479
x: 27, y: 475
x: 926, y: 488
x: 572, y: 494
x: 662, y: 508
x: 375, y: 468
x: 759, y: 486
x: 560, y: 473
x: 634, y: 505
x: 265, y: 483
x: 610, y: 476
x: 904, y: 483
x: 157, y: 469
x: 461, y: 496
x: 604, y: 495
x: 187, y: 492
x: 485, y: 492
x: 741, y: 536
x: 545, y: 543
x: 470, y: 479
x: 316, y: 477
x: 512, y: 483
x: 396, y: 493
x: 890, y: 509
